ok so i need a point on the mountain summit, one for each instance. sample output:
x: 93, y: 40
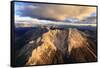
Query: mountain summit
x: 58, y: 46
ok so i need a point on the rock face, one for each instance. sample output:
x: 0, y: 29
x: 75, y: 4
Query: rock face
x: 80, y: 47
x: 56, y: 47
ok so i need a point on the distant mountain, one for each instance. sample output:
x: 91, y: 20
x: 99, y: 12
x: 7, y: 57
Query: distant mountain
x: 71, y: 20
x: 89, y: 20
x: 54, y: 46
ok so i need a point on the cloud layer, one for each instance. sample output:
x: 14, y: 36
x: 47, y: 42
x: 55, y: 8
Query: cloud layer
x: 55, y: 12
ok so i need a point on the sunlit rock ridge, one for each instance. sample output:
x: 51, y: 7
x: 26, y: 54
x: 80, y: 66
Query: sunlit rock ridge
x: 55, y: 46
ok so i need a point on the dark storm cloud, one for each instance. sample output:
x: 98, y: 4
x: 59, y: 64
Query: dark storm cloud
x: 56, y: 12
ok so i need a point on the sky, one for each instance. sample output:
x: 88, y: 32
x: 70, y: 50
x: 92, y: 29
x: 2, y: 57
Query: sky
x: 48, y: 13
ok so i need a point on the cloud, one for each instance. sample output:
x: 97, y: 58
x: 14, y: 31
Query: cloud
x: 33, y: 22
x: 56, y: 12
x: 29, y: 20
x: 25, y: 19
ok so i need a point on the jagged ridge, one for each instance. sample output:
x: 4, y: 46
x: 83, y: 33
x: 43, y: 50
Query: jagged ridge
x: 58, y: 46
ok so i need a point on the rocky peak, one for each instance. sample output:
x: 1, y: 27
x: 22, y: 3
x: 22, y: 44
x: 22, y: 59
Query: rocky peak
x: 59, y: 46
